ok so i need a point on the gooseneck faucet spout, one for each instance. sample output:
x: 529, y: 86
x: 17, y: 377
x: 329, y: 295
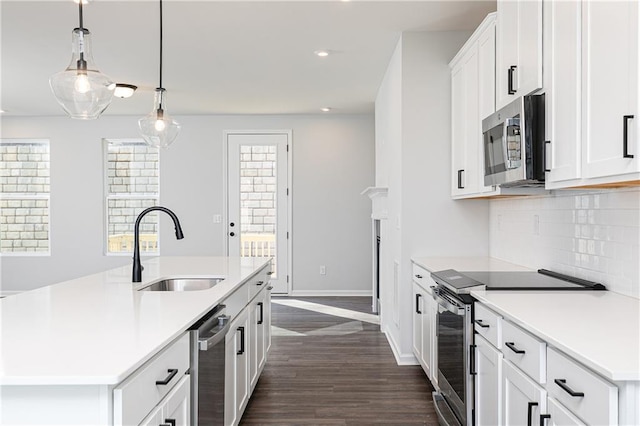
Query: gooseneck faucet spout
x: 137, y: 267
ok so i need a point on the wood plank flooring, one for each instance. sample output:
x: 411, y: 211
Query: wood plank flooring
x: 342, y: 373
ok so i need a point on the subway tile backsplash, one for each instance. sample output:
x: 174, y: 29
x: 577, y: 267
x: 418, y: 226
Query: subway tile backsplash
x: 593, y: 235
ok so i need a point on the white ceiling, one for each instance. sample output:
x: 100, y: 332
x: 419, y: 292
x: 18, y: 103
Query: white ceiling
x: 220, y: 57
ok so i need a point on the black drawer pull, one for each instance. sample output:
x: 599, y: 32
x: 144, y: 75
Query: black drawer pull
x: 418, y: 296
x: 472, y: 360
x: 530, y: 406
x: 544, y: 417
x: 481, y: 324
x: 460, y: 185
x: 172, y: 373
x: 261, y: 319
x: 563, y: 384
x: 260, y: 283
x: 270, y: 273
x: 512, y: 346
x: 418, y: 276
x: 241, y: 330
x: 169, y: 422
x: 625, y: 136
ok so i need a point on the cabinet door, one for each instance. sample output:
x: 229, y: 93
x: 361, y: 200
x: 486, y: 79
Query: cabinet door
x: 560, y: 416
x: 486, y: 93
x: 418, y: 306
x: 523, y: 400
x: 257, y: 346
x: 487, y: 384
x: 428, y: 321
x: 236, y: 369
x: 458, y: 133
x: 610, y: 71
x: 519, y: 47
x: 176, y: 408
x: 562, y: 75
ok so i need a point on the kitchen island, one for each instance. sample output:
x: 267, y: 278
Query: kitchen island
x: 66, y: 346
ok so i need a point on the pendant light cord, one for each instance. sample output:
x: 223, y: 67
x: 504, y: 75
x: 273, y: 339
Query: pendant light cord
x: 80, y: 13
x: 160, y: 44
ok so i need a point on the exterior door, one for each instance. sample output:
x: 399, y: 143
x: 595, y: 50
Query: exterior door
x: 258, y: 201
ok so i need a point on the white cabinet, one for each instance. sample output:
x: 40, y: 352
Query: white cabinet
x: 519, y: 49
x: 488, y: 378
x: 237, y: 368
x: 174, y: 409
x: 260, y: 324
x: 472, y: 99
x: 424, y: 321
x: 591, y: 83
x: 523, y: 400
x: 559, y: 416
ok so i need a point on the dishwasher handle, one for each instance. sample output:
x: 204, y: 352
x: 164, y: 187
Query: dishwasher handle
x: 224, y: 321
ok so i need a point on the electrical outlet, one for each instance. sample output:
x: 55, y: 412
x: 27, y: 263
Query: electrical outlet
x: 323, y: 270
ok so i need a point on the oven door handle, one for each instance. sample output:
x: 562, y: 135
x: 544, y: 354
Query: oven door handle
x: 445, y: 305
x: 205, y: 344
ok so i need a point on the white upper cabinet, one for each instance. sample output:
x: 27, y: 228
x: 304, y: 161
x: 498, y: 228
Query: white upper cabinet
x: 591, y: 86
x: 610, y: 87
x: 472, y: 99
x: 519, y: 49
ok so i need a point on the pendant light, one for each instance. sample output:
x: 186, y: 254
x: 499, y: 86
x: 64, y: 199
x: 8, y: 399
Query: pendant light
x: 158, y: 128
x: 82, y: 90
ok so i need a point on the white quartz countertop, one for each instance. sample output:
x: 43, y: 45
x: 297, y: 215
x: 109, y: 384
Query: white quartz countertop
x: 433, y: 264
x: 601, y: 329
x: 98, y: 329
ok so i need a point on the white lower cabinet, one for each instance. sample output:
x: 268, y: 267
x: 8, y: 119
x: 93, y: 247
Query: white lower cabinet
x: 237, y: 368
x: 488, y: 378
x: 559, y: 415
x: 174, y: 409
x: 523, y: 400
x: 424, y: 321
x: 260, y: 324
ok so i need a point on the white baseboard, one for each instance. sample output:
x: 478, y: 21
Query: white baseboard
x: 401, y: 358
x: 311, y: 293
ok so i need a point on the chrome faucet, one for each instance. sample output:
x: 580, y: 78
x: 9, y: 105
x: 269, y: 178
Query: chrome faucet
x: 137, y: 267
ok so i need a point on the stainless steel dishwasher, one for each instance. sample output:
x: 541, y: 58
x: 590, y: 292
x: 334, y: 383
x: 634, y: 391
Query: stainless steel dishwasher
x: 207, y: 367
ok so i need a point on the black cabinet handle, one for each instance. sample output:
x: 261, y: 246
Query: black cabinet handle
x: 510, y: 89
x: 241, y: 330
x: 270, y: 273
x: 169, y: 422
x: 472, y: 360
x: 418, y: 276
x: 544, y: 156
x: 512, y: 346
x: 625, y: 136
x: 269, y: 288
x: 172, y: 373
x: 260, y: 283
x: 563, y: 384
x: 460, y: 186
x: 544, y: 417
x: 530, y: 406
x: 261, y: 320
x: 418, y: 296
x: 481, y: 324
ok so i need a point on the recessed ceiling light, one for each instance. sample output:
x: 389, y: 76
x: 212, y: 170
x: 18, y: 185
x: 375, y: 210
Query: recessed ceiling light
x: 325, y: 109
x: 322, y: 53
x: 124, y: 90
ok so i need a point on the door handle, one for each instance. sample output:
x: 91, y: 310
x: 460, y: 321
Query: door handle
x: 530, y: 406
x: 261, y: 319
x: 232, y: 234
x: 625, y: 136
x: 460, y: 186
x: 544, y: 417
x: 510, y: 89
x: 241, y: 330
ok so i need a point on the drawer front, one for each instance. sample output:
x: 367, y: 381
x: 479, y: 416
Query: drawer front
x: 237, y: 301
x: 525, y: 351
x: 488, y: 324
x: 423, y: 278
x: 259, y: 281
x: 134, y: 398
x: 587, y: 395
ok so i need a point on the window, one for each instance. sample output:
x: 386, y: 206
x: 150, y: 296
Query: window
x: 131, y: 185
x: 24, y: 197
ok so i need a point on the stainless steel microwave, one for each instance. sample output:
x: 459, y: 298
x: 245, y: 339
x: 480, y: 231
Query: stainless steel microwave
x: 513, y: 144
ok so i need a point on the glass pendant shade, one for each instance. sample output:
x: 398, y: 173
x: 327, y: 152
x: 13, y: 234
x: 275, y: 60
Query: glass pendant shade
x: 82, y: 90
x: 158, y: 128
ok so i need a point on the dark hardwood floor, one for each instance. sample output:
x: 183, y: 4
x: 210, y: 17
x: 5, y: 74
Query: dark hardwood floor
x: 336, y: 371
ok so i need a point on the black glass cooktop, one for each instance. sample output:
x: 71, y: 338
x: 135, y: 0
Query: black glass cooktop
x: 463, y: 282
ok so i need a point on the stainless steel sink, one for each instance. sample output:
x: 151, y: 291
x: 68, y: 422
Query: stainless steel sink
x: 183, y: 284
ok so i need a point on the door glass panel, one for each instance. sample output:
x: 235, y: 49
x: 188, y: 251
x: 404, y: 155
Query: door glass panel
x: 258, y: 202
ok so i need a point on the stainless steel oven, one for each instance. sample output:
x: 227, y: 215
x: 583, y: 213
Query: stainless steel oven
x: 454, y: 402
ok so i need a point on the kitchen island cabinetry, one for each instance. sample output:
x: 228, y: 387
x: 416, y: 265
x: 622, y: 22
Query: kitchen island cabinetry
x: 424, y: 322
x: 113, y: 354
x: 237, y: 369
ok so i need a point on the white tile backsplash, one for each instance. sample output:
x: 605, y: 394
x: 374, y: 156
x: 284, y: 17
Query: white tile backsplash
x: 593, y: 235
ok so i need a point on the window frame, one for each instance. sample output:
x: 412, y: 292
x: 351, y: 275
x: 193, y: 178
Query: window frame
x: 27, y: 196
x: 107, y: 196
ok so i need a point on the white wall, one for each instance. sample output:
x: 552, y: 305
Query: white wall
x: 593, y: 235
x: 333, y: 160
x: 423, y: 219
